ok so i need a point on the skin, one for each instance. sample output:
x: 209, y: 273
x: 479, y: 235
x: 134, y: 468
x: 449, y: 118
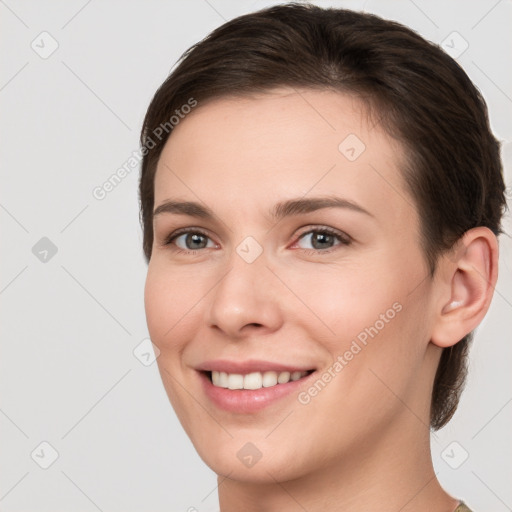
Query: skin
x: 363, y: 442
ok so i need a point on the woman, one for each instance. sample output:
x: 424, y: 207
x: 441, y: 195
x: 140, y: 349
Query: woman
x: 321, y: 196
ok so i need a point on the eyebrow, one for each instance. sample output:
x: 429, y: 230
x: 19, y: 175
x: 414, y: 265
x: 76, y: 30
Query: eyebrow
x: 279, y: 211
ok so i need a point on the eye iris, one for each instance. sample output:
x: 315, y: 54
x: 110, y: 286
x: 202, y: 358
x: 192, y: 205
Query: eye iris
x: 319, y: 240
x: 322, y: 238
x: 195, y: 238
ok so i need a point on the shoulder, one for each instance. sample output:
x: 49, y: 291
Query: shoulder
x: 462, y: 508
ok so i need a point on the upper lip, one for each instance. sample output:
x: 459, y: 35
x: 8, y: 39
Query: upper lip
x: 248, y: 366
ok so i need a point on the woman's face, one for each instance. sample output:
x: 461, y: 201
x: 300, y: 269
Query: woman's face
x: 269, y: 280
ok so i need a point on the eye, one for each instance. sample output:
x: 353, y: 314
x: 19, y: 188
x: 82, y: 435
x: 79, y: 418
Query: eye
x: 322, y: 239
x: 188, y: 240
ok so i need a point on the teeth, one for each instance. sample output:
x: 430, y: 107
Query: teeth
x: 235, y: 381
x: 223, y: 379
x: 295, y: 375
x: 254, y: 380
x: 283, y: 378
x: 269, y: 379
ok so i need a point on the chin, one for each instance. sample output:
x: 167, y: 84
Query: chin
x: 259, y: 462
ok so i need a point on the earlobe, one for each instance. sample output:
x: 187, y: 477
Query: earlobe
x: 470, y: 278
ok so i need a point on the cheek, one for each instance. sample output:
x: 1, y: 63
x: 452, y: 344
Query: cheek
x: 364, y: 311
x: 169, y: 304
x: 157, y: 304
x: 344, y: 299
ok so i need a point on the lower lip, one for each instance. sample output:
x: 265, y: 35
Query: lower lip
x: 246, y: 400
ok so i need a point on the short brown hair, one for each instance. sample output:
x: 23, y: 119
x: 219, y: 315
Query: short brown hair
x: 422, y: 97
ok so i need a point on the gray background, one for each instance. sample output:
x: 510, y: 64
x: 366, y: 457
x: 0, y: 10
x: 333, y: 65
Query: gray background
x: 71, y: 320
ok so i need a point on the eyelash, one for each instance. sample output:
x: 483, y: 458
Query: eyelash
x: 343, y: 238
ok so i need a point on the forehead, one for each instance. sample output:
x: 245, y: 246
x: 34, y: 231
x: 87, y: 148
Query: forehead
x: 253, y: 151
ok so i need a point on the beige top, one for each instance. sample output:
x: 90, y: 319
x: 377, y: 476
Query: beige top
x: 462, y: 508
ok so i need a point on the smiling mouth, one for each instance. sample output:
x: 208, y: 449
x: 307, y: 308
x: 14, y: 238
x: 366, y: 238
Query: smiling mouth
x: 254, y: 380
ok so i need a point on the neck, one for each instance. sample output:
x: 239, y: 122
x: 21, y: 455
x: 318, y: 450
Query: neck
x: 391, y: 473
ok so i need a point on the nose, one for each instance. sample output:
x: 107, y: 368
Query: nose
x: 245, y: 300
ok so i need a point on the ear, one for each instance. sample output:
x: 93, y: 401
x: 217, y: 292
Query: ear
x: 467, y: 279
